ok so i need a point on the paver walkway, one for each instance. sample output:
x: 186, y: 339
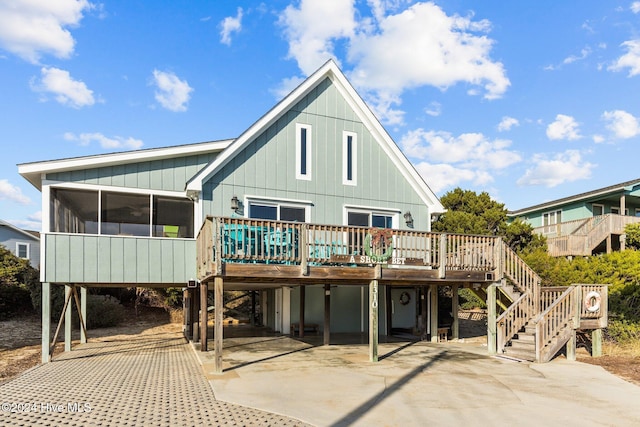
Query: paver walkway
x: 144, y: 380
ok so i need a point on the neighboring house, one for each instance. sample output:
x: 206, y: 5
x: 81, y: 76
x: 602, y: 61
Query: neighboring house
x: 587, y: 223
x: 21, y: 243
x: 313, y: 209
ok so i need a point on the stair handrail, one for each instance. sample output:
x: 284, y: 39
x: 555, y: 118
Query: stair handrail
x: 513, y: 319
x: 550, y: 323
x: 524, y: 308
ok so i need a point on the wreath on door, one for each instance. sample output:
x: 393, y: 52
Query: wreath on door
x: 405, y: 298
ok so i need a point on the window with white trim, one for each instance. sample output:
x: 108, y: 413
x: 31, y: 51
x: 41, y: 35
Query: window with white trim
x: 549, y: 221
x: 597, y: 209
x: 22, y: 250
x: 349, y: 158
x: 277, y: 211
x: 637, y: 211
x: 303, y: 151
x: 616, y: 210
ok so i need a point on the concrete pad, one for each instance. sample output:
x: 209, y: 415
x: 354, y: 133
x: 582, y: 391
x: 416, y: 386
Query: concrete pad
x: 416, y: 384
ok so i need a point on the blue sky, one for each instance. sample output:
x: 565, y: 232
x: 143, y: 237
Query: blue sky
x: 529, y: 101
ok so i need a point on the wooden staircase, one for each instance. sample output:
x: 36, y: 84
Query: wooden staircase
x: 541, y: 321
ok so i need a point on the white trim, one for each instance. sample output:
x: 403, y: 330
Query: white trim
x: 345, y: 158
x: 308, y: 151
x: 328, y: 70
x: 593, y: 205
x: 18, y: 244
x: 33, y: 171
x: 46, y: 196
x: 112, y: 189
x: 266, y: 201
x: 393, y: 213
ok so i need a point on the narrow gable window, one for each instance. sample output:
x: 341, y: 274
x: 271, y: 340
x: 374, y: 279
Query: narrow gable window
x: 303, y: 151
x: 349, y: 158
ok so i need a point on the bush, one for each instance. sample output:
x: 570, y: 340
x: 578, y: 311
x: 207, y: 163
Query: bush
x: 14, y: 300
x: 623, y: 331
x: 469, y: 300
x: 103, y: 311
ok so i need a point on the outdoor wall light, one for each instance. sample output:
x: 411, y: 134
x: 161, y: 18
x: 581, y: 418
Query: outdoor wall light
x: 408, y: 219
x: 235, y: 204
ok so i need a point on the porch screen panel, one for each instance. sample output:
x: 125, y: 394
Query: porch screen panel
x: 73, y: 211
x: 125, y: 214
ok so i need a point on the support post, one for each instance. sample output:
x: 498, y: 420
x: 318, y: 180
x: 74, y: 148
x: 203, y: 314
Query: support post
x: 373, y: 321
x: 67, y: 319
x: 253, y: 308
x: 218, y: 284
x: 596, y: 343
x: 327, y: 315
x: 83, y: 310
x: 203, y: 316
x: 388, y: 310
x: 455, y: 301
x: 492, y: 317
x: 46, y: 322
x: 424, y: 311
x: 433, y: 312
x: 303, y: 297
x: 571, y: 346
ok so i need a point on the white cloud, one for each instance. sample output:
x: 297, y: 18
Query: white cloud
x: 443, y: 176
x: 551, y: 172
x: 565, y: 127
x: 395, y: 50
x: 32, y: 28
x: 434, y: 109
x: 286, y: 86
x: 312, y: 28
x: 630, y: 60
x: 584, y: 53
x: 472, y: 156
x: 33, y: 222
x: 65, y: 89
x: 598, y: 139
x: 12, y: 192
x: 230, y: 25
x: 635, y: 7
x: 171, y: 92
x: 622, y: 124
x: 117, y: 142
x: 507, y: 123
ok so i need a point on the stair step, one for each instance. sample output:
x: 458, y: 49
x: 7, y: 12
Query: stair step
x: 523, y: 336
x: 520, y: 354
x: 523, y: 345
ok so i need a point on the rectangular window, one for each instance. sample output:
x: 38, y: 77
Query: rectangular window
x: 303, y: 151
x: 616, y: 210
x: 552, y: 218
x: 637, y: 211
x: 349, y: 158
x: 120, y: 213
x: 22, y: 250
x: 277, y: 212
x: 362, y: 218
x: 597, y: 210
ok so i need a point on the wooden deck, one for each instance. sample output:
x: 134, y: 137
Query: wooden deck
x: 259, y: 251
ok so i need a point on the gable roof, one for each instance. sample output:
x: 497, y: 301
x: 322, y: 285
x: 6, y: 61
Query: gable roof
x: 32, y: 172
x: 27, y: 234
x: 612, y: 189
x: 328, y: 70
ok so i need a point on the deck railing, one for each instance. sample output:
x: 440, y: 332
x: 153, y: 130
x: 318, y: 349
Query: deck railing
x: 223, y: 239
x: 513, y: 319
x: 580, y: 237
x: 556, y: 322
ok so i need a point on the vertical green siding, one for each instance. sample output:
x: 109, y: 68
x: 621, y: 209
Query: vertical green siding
x: 168, y: 174
x: 77, y: 258
x: 266, y: 167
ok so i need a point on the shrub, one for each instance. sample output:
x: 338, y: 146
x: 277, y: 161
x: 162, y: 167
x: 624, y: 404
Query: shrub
x: 14, y: 300
x: 103, y: 311
x: 623, y: 331
x: 469, y: 300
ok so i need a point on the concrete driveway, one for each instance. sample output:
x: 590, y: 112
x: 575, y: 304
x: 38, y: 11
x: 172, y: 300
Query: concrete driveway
x: 417, y: 384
